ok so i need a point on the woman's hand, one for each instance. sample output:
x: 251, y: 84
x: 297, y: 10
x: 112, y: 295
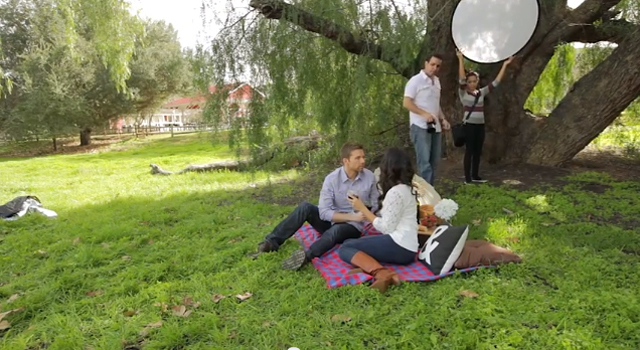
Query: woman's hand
x: 357, y: 204
x: 459, y: 54
x: 506, y: 63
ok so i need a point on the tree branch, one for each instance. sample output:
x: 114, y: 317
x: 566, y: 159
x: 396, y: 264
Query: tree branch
x: 590, y: 11
x: 575, y: 21
x: 593, y: 103
x: 398, y: 13
x: 278, y: 9
x: 422, y: 55
x: 557, y: 25
x: 613, y: 31
x: 437, y: 10
x: 397, y: 125
x: 567, y: 27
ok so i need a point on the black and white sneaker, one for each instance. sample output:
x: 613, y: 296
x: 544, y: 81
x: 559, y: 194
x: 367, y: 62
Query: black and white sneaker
x: 479, y: 180
x: 297, y: 259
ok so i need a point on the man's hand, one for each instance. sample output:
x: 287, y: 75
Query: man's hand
x: 356, y: 203
x: 357, y: 217
x: 430, y: 118
x: 445, y: 125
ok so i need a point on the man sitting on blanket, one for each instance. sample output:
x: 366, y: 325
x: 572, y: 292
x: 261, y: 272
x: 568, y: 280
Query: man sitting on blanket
x: 334, y: 217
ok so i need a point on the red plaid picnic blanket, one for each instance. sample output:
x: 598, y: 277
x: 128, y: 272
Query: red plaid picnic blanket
x: 334, y: 270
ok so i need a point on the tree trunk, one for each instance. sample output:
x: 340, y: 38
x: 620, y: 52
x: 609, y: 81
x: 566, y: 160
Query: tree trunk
x: 513, y: 135
x: 55, y: 144
x: 506, y: 121
x: 148, y: 128
x: 591, y: 105
x: 85, y: 137
x: 509, y: 129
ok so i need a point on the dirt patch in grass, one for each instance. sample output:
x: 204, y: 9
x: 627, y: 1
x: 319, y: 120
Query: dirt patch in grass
x: 526, y: 176
x: 450, y: 178
x: 631, y: 252
x: 619, y: 167
x: 298, y: 190
x: 617, y: 219
x: 65, y: 146
x: 595, y: 187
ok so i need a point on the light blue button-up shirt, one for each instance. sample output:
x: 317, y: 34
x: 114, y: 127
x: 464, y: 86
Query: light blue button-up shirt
x: 333, y: 196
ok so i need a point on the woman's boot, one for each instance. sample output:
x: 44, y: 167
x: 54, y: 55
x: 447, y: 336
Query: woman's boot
x: 382, y: 276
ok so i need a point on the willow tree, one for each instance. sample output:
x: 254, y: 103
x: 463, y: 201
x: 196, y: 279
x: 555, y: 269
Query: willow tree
x: 5, y: 83
x: 113, y: 31
x: 341, y: 65
x: 556, y: 80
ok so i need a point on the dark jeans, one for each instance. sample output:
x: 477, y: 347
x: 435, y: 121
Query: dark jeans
x: 474, y: 140
x: 380, y: 247
x: 330, y: 234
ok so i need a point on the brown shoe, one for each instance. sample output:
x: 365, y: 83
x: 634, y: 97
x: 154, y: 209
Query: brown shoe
x: 265, y: 247
x: 382, y: 276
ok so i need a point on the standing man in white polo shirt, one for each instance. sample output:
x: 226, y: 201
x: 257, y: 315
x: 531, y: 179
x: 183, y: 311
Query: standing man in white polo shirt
x: 422, y: 99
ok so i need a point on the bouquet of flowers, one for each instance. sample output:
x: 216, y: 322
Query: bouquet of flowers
x: 446, y: 209
x: 435, y: 215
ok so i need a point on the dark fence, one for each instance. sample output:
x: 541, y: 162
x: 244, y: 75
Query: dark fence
x: 130, y: 130
x: 157, y: 129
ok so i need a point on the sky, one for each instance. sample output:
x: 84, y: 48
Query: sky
x: 185, y: 15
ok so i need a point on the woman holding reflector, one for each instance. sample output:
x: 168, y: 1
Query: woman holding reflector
x: 472, y: 100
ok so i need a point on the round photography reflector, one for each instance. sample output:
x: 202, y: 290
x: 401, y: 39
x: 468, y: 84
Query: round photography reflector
x: 489, y: 31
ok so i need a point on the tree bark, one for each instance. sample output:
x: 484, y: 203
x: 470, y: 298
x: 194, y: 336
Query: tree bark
x: 85, y: 137
x: 513, y: 135
x: 591, y: 105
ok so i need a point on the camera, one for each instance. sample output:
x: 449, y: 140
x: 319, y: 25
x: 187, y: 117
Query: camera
x: 431, y: 127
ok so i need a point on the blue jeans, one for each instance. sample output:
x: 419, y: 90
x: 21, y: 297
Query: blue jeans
x: 380, y: 247
x: 428, y: 152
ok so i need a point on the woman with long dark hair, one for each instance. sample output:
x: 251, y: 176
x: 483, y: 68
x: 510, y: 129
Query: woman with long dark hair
x: 398, y: 222
x: 472, y: 100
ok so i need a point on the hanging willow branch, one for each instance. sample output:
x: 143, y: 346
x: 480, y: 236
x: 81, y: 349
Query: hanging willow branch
x: 351, y: 42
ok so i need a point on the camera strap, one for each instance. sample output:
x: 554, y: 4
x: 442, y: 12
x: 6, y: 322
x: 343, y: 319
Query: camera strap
x: 472, y: 106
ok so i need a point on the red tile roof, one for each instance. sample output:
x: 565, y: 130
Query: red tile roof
x: 237, y: 91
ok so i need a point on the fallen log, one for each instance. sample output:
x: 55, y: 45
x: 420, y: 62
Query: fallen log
x: 232, y: 165
x: 308, y: 142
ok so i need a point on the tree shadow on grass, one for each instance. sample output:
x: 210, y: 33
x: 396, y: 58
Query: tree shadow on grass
x: 130, y: 253
x: 125, y: 148
x: 573, y: 227
x: 111, y: 267
x: 155, y: 151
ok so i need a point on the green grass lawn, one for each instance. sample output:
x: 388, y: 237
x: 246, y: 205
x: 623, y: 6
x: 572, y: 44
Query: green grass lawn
x: 623, y: 138
x: 132, y: 254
